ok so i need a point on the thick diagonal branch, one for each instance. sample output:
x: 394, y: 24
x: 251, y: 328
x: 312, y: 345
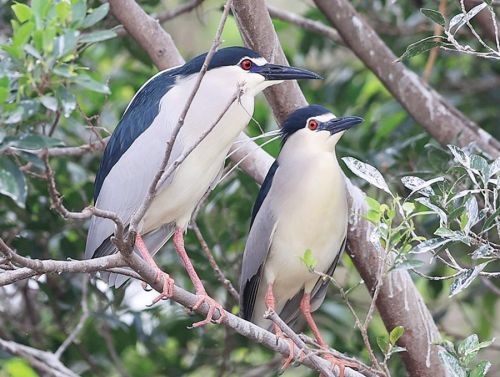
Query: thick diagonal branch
x: 443, y: 121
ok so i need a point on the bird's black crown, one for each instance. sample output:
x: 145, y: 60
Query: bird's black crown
x: 224, y: 57
x: 297, y: 120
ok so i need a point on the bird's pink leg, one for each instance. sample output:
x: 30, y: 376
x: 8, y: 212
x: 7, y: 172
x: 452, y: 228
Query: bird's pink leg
x: 203, y: 297
x: 305, y: 307
x: 271, y: 304
x: 168, y: 282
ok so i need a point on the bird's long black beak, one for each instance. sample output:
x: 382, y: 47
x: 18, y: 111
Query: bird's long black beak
x: 282, y: 72
x: 340, y: 124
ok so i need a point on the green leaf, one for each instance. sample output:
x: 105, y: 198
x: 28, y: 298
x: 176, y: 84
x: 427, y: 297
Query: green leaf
x: 89, y: 83
x: 408, y: 264
x: 468, y: 345
x: 434, y: 15
x: 32, y: 51
x: 22, y: 12
x: 373, y: 204
x: 481, y: 369
x: 63, y: 10
x: 4, y: 94
x: 97, y: 36
x: 22, y: 34
x: 490, y: 220
x: 465, y: 278
x: 367, y: 172
x: 451, y: 364
x: 481, y: 165
x: 95, y: 15
x: 429, y: 245
x: 17, y: 367
x: 421, y: 46
x: 309, y: 259
x: 49, y: 102
x: 66, y: 43
x: 40, y: 9
x: 34, y: 142
x: 67, y: 100
x: 12, y: 182
x: 395, y: 334
x: 383, y: 343
x: 79, y: 11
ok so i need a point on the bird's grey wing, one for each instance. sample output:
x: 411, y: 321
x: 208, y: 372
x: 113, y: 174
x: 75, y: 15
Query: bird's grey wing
x: 291, y: 310
x: 131, y: 159
x: 262, y: 228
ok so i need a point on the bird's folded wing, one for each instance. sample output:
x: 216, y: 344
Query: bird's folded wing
x: 262, y: 228
x: 131, y: 160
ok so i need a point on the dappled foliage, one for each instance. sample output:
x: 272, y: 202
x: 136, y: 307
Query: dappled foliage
x: 65, y: 79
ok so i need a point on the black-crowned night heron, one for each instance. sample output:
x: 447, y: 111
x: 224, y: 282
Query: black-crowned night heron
x: 137, y: 147
x: 302, y: 205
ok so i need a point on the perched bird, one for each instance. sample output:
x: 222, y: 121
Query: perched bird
x: 137, y: 147
x: 302, y: 205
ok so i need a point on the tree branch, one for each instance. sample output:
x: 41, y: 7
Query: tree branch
x: 444, y: 122
x: 44, y: 361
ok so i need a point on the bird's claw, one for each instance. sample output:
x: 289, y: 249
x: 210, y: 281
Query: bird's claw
x: 168, y: 287
x: 291, y: 349
x: 342, y: 364
x: 212, y: 307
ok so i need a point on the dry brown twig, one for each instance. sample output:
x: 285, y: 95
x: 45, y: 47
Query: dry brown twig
x: 213, y: 263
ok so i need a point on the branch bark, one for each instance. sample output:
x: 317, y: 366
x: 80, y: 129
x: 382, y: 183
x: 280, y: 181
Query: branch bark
x: 444, y: 122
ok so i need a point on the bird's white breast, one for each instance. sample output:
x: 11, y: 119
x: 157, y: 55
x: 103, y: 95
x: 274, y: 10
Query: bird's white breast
x: 311, y: 207
x: 177, y: 200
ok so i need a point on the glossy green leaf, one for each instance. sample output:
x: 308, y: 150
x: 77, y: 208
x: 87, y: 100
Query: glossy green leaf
x: 34, y: 142
x: 309, y: 260
x: 434, y: 15
x: 95, y: 15
x: 97, y: 36
x: 451, y: 364
x: 89, y: 83
x: 4, y: 94
x: 22, y: 12
x: 396, y: 333
x: 422, y: 46
x: 12, y: 181
x: 481, y: 369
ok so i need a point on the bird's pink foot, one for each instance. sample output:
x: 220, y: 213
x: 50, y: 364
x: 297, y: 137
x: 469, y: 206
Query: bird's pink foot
x: 212, y: 307
x: 168, y: 286
x: 342, y: 364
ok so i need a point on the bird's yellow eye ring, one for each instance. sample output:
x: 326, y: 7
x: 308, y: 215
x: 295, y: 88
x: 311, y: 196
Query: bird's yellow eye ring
x: 246, y: 64
x: 312, y: 124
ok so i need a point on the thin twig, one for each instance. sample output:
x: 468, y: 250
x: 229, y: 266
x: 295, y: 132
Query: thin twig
x: 42, y: 360
x: 108, y: 339
x: 305, y: 23
x: 324, y: 369
x: 438, y: 31
x: 183, y: 8
x: 213, y: 263
x: 83, y: 318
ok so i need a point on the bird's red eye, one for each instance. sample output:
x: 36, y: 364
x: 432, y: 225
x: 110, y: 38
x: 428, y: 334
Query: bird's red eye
x: 313, y: 124
x: 246, y: 64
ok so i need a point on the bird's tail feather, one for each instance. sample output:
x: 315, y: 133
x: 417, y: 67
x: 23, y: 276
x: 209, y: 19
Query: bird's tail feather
x: 153, y: 240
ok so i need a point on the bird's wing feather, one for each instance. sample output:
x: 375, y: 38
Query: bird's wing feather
x: 131, y: 159
x: 154, y: 241
x: 262, y: 228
